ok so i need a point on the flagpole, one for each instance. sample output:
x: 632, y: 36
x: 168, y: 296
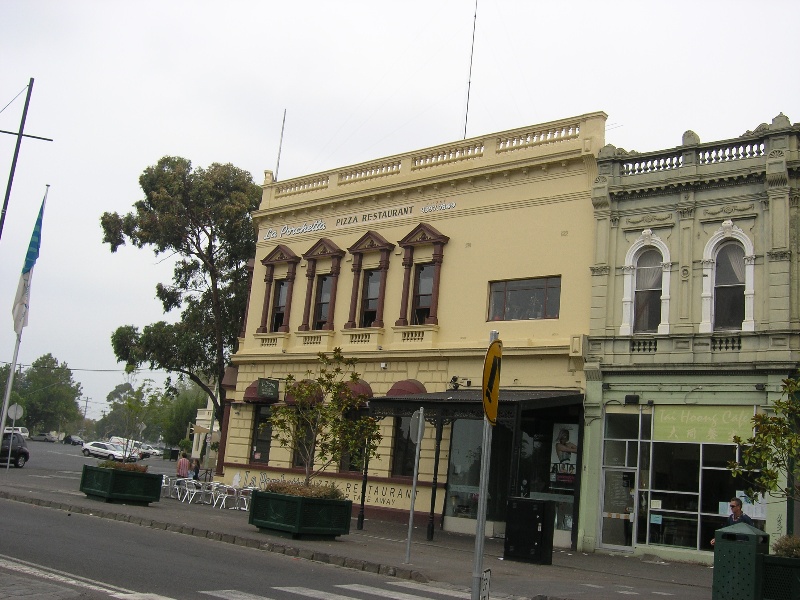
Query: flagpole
x: 10, y: 382
x: 22, y: 302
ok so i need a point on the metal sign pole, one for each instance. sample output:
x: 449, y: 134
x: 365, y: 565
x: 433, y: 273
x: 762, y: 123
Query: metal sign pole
x: 480, y: 527
x: 418, y: 441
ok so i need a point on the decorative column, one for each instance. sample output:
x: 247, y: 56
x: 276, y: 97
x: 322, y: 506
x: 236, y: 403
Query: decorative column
x: 249, y: 267
x: 351, y: 321
x: 408, y: 263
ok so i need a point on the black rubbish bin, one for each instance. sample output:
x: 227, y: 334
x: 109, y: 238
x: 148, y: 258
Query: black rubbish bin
x: 737, y: 569
x: 173, y: 454
x: 529, y: 530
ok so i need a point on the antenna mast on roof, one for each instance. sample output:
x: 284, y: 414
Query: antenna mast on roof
x: 280, y: 145
x: 471, y: 54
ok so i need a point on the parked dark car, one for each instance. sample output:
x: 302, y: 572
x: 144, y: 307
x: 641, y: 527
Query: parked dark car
x: 75, y: 440
x: 19, y: 450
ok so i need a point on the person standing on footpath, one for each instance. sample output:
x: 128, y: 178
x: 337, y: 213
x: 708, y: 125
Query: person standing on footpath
x: 737, y: 516
x: 183, y: 466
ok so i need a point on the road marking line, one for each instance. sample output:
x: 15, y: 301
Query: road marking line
x: 141, y: 597
x: 592, y: 585
x: 663, y: 593
x: 20, y: 566
x: 366, y: 589
x: 232, y: 595
x: 434, y: 590
x: 319, y: 594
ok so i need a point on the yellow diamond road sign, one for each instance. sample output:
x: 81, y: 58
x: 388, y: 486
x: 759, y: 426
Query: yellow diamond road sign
x: 491, y: 380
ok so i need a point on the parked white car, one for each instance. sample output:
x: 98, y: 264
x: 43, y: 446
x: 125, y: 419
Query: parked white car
x: 108, y: 451
x: 150, y: 450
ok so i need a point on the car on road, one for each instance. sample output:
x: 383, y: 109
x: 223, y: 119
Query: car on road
x: 43, y: 437
x: 21, y: 430
x: 19, y: 454
x: 107, y: 450
x: 146, y: 451
x: 75, y: 440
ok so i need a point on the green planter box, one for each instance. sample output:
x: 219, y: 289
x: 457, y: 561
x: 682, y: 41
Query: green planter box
x: 300, y: 516
x: 115, y: 484
x: 779, y: 578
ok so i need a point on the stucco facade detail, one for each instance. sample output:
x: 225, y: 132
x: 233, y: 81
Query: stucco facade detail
x: 706, y: 235
x: 505, y: 207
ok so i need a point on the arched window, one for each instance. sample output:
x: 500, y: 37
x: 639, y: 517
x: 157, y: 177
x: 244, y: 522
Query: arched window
x: 647, y: 299
x: 728, y: 281
x: 645, y: 283
x: 729, y: 287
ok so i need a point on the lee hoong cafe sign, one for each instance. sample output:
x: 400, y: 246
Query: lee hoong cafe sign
x: 288, y: 230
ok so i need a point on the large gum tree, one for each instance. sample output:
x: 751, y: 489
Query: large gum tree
x: 202, y: 217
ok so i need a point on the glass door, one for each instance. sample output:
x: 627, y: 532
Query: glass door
x: 619, y: 508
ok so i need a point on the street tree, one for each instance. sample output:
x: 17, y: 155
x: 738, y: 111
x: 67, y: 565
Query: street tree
x: 323, y: 418
x: 48, y: 394
x: 771, y: 456
x: 202, y: 217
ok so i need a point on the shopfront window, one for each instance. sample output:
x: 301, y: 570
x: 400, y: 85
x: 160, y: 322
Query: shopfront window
x: 665, y: 475
x: 262, y: 435
x: 548, y: 465
x: 464, y: 477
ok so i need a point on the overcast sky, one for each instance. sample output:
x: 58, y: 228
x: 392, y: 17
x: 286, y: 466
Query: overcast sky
x: 119, y: 84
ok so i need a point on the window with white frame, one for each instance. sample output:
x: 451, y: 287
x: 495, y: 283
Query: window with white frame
x: 645, y: 282
x: 728, y: 297
x: 729, y: 287
x: 647, y: 299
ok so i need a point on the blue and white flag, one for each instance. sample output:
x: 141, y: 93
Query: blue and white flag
x: 23, y: 297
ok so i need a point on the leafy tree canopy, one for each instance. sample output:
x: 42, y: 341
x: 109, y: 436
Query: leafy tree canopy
x: 323, y: 420
x: 202, y: 217
x: 47, y: 393
x: 770, y: 458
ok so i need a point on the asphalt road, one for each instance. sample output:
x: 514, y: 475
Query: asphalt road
x: 79, y: 554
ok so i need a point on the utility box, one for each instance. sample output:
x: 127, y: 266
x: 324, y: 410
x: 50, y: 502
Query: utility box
x: 529, y: 530
x: 736, y: 565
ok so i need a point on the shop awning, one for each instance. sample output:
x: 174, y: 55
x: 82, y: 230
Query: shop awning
x: 468, y: 403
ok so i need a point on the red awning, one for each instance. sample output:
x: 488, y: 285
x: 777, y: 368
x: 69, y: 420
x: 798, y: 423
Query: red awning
x: 406, y: 387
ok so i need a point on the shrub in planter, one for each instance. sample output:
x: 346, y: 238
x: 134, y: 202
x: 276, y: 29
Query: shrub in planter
x: 322, y: 419
x: 787, y: 546
x: 122, y: 482
x: 112, y: 464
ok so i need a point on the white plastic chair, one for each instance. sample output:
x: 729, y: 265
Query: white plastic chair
x: 220, y: 494
x: 193, y: 490
x: 207, y: 492
x: 243, y: 502
x: 180, y: 488
x: 231, y: 499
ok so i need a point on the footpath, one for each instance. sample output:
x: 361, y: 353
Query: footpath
x: 380, y: 547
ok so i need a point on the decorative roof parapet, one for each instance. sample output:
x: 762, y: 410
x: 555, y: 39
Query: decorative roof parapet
x: 561, y: 140
x: 772, y: 146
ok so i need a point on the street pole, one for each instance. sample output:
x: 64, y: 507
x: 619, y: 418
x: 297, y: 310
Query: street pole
x: 480, y: 527
x: 360, y: 521
x: 16, y: 155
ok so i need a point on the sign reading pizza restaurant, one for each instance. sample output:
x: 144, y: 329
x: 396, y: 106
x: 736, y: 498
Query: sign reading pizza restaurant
x: 287, y: 230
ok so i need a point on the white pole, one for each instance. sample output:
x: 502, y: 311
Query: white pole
x: 420, y: 430
x: 10, y: 382
x: 480, y: 527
